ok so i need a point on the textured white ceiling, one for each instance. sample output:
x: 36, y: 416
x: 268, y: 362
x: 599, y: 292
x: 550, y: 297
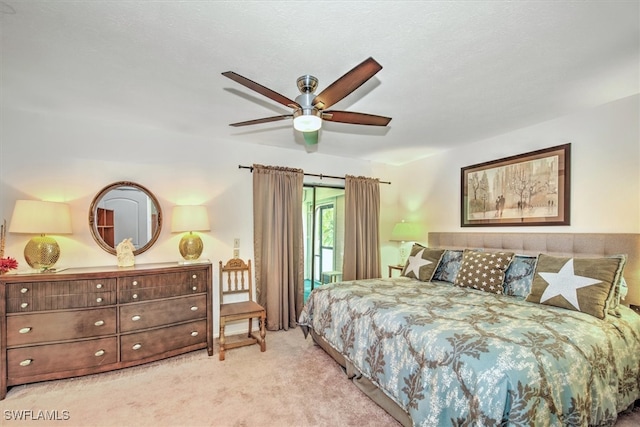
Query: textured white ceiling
x: 454, y: 71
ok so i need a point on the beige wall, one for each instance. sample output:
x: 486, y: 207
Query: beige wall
x: 70, y: 157
x: 605, y: 174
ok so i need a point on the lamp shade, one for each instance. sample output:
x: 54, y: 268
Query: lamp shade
x: 38, y: 217
x: 189, y: 218
x: 405, y: 232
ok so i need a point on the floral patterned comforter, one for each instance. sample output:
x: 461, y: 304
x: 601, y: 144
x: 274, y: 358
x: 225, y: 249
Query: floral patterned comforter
x: 456, y: 356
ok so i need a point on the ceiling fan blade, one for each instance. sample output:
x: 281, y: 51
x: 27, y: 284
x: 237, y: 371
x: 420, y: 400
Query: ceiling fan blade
x: 261, y: 89
x: 346, y: 84
x: 355, y: 118
x: 310, y: 138
x: 264, y: 120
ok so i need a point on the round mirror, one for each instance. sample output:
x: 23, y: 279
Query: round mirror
x: 125, y: 210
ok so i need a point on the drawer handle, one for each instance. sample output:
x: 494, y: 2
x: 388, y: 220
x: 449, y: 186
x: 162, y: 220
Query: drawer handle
x: 26, y: 362
x: 194, y: 333
x: 134, y: 296
x: 25, y: 330
x: 99, y: 323
x: 24, y: 305
x: 136, y: 318
x: 24, y: 290
x: 137, y: 346
x: 134, y: 283
x: 194, y: 308
x: 99, y: 353
x: 99, y: 286
x: 194, y: 276
x: 195, y: 288
x: 99, y: 299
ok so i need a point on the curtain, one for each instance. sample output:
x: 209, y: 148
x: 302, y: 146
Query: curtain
x: 278, y: 244
x: 361, y: 228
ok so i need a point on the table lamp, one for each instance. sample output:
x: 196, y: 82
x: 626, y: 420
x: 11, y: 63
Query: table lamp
x: 404, y: 232
x: 39, y: 217
x: 190, y: 218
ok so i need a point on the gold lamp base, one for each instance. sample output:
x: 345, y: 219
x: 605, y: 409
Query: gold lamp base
x: 191, y: 246
x: 42, y: 252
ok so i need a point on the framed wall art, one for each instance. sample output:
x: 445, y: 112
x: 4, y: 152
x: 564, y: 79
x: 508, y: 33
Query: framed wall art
x: 530, y: 189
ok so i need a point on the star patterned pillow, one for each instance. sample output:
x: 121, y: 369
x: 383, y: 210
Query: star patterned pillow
x: 422, y: 262
x: 581, y: 284
x: 483, y: 270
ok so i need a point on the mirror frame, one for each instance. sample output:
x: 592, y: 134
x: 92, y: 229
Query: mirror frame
x: 93, y: 213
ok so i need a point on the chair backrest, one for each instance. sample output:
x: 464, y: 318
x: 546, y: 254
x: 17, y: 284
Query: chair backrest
x: 235, y: 278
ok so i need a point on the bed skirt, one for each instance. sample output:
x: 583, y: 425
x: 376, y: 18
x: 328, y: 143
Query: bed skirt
x: 366, y: 386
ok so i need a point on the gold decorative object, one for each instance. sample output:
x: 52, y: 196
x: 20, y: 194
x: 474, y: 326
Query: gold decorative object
x: 42, y: 252
x: 38, y: 217
x: 191, y: 246
x: 190, y: 218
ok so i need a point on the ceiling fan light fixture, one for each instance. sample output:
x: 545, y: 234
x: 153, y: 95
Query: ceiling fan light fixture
x: 307, y: 120
x: 309, y: 109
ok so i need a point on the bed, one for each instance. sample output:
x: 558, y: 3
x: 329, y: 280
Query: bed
x: 435, y: 352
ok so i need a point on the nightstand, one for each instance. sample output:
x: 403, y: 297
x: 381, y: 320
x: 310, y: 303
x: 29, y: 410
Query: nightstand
x: 395, y: 267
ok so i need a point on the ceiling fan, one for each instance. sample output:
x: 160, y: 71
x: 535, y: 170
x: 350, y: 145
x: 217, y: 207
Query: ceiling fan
x: 309, y: 110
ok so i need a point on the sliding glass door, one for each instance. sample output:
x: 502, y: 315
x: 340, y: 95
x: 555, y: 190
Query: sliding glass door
x: 323, y: 209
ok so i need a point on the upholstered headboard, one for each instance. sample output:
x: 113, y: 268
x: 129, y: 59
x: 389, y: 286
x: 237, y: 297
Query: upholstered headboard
x: 572, y: 244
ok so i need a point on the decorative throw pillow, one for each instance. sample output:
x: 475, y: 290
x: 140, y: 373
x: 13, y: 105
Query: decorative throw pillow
x: 422, y: 262
x: 483, y: 270
x: 519, y: 276
x: 449, y: 265
x: 581, y: 284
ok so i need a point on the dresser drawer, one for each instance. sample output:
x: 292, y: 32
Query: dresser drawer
x: 157, y: 313
x: 140, y: 345
x: 58, y: 295
x: 24, y: 329
x: 62, y: 287
x: 149, y: 294
x: 60, y: 302
x: 46, y: 359
x: 144, y: 288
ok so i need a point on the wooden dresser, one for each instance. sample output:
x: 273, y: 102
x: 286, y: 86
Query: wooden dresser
x: 88, y: 320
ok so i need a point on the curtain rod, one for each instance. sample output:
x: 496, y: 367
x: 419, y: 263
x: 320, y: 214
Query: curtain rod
x: 321, y: 176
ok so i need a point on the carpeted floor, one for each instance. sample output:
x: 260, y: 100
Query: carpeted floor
x: 294, y: 383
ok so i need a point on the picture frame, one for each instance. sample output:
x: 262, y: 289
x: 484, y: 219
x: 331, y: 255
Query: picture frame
x: 530, y: 189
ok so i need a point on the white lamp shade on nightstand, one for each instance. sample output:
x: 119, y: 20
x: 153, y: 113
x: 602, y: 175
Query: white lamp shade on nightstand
x: 39, y: 217
x: 405, y: 232
x: 189, y: 219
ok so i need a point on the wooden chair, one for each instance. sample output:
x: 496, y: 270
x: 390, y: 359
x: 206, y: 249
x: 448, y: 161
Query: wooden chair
x: 236, y: 279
